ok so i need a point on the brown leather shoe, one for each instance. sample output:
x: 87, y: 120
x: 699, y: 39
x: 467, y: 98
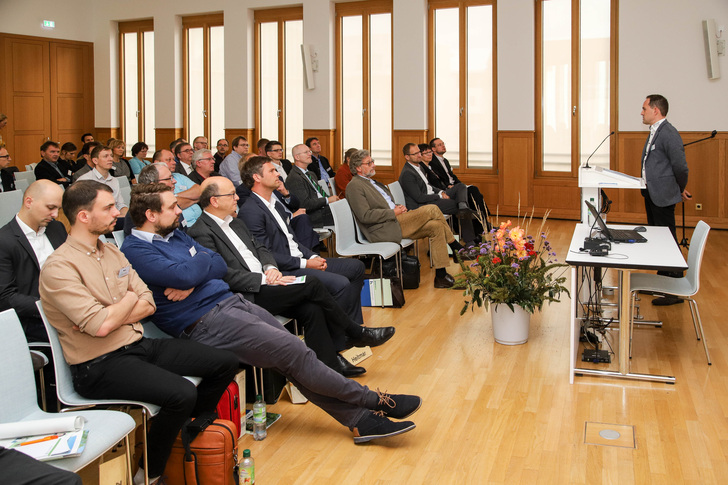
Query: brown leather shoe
x: 446, y: 281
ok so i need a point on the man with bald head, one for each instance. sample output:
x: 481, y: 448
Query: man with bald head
x: 25, y: 243
x: 304, y: 184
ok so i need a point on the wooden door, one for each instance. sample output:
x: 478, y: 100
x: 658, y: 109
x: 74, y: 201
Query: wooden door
x: 71, y: 75
x: 26, y: 101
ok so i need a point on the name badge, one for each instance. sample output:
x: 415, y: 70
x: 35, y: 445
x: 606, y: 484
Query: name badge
x: 193, y: 251
x: 652, y: 147
x: 124, y: 271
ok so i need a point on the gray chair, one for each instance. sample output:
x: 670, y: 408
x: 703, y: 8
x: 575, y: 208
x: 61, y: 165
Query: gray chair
x: 10, y: 204
x: 18, y: 400
x: 123, y: 181
x: 21, y: 185
x: 346, y: 244
x: 125, y: 194
x: 398, y: 195
x: 118, y: 238
x: 683, y: 288
x: 28, y: 176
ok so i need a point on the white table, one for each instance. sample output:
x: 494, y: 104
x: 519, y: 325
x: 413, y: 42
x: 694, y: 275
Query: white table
x: 659, y: 253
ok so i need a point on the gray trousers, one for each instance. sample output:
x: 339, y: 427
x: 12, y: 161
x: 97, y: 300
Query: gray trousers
x: 258, y: 339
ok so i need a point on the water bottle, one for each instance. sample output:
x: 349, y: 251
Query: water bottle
x: 247, y: 469
x: 259, y: 431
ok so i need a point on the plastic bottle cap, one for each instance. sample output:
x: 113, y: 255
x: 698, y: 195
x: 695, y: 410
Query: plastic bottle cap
x: 246, y: 453
x: 259, y: 397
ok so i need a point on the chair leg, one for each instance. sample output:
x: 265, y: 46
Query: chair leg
x: 129, y: 472
x: 381, y: 279
x: 429, y: 251
x: 146, y: 449
x: 700, y: 325
x: 692, y: 315
x: 631, y: 322
x: 41, y: 378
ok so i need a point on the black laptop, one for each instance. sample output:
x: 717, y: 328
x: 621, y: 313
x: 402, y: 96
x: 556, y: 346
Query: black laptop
x: 615, y: 235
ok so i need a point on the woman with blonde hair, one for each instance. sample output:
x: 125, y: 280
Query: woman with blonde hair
x: 121, y: 165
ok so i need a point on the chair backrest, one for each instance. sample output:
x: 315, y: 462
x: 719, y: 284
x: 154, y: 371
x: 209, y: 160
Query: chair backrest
x: 123, y: 181
x: 10, y: 204
x: 695, y: 255
x: 397, y: 193
x: 125, y: 194
x: 344, y: 224
x: 29, y: 176
x: 325, y: 187
x: 17, y: 383
x: 21, y: 185
x: 118, y: 237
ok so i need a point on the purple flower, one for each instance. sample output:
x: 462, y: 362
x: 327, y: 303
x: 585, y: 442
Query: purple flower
x: 514, y: 265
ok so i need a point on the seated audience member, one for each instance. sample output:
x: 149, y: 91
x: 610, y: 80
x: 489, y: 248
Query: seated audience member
x: 418, y: 192
x: 47, y: 168
x: 381, y: 220
x: 87, y: 138
x: 268, y: 222
x: 343, y: 175
x: 19, y: 468
x: 194, y: 303
x: 67, y: 161
x: 173, y: 144
x: 7, y: 176
x: 199, y: 143
x: 319, y: 164
x: 222, y: 148
x: 121, y: 166
x: 85, y: 160
x: 159, y: 173
x: 302, y: 182
x: 138, y: 157
x: 252, y: 272
x: 475, y: 199
x: 95, y: 300
x: 187, y: 192
x: 103, y: 161
x: 274, y: 151
x: 229, y: 166
x: 183, y: 153
x: 203, y: 164
x: 300, y: 222
x: 261, y: 146
x: 25, y: 244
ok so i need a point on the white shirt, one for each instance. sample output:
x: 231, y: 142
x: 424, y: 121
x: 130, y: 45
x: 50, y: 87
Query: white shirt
x: 186, y: 166
x: 386, y: 196
x: 281, y: 170
x: 247, y: 255
x: 150, y: 236
x: 442, y: 161
x: 42, y: 247
x: 305, y: 174
x: 418, y: 169
x: 653, y: 130
x: 295, y: 251
x: 110, y: 181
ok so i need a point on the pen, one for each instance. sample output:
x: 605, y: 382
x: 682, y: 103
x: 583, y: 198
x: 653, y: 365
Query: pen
x: 40, y: 440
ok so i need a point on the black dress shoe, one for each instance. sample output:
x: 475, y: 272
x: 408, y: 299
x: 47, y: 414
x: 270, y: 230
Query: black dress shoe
x: 667, y: 300
x: 371, y: 337
x: 446, y: 281
x: 372, y: 427
x: 347, y: 369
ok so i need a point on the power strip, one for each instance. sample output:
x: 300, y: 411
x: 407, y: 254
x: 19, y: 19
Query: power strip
x: 596, y: 356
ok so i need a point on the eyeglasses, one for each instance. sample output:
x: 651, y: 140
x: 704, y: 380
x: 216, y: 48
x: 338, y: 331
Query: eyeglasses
x: 426, y: 152
x: 231, y: 194
x: 414, y: 153
x: 368, y: 163
x: 164, y: 180
x: 189, y: 150
x: 209, y: 159
x: 5, y: 156
x: 277, y: 150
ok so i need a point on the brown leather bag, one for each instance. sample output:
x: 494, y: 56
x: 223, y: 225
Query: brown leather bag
x: 205, y: 453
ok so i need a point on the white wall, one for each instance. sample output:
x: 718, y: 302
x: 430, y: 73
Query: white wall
x: 516, y: 65
x: 25, y: 17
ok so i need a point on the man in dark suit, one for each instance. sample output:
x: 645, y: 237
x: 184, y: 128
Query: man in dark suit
x: 252, y: 271
x: 268, y: 222
x: 47, y: 168
x: 203, y: 165
x: 664, y: 170
x: 25, y: 243
x: 8, y: 179
x: 418, y: 192
x: 320, y: 164
x: 304, y: 184
x: 183, y: 152
x: 274, y: 150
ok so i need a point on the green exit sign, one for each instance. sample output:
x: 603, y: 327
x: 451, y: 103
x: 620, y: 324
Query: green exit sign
x: 49, y: 24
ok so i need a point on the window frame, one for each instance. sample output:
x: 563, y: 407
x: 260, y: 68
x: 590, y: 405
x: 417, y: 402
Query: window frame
x: 433, y: 5
x: 139, y: 27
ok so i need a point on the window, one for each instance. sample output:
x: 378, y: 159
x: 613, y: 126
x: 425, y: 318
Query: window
x: 279, y: 35
x: 136, y: 46
x: 576, y: 111
x: 364, y: 78
x: 204, y: 80
x: 462, y: 80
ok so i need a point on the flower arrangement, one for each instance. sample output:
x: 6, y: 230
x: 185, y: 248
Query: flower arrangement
x: 509, y: 266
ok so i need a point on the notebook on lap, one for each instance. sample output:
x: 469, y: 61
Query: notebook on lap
x: 615, y: 235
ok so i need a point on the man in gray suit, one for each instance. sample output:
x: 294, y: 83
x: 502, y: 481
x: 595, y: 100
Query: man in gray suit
x: 382, y: 220
x: 664, y: 170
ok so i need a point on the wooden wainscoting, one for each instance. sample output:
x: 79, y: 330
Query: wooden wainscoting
x: 327, y: 138
x: 230, y: 133
x: 103, y: 134
x: 164, y: 136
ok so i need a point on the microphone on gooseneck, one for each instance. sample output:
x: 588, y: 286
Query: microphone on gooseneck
x: 597, y: 148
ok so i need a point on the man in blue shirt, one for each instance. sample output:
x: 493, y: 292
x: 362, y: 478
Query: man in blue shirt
x: 193, y: 302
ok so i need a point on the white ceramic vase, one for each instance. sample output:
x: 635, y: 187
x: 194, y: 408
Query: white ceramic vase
x: 510, y: 327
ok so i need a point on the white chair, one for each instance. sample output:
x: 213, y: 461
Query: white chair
x: 21, y: 185
x: 30, y: 167
x: 683, y: 288
x: 10, y: 204
x: 125, y: 194
x: 29, y: 176
x: 398, y: 195
x: 18, y: 400
x: 123, y: 181
x: 346, y: 244
x: 118, y: 237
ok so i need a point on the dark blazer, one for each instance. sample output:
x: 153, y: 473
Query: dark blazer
x: 316, y: 169
x: 316, y: 207
x: 287, y: 165
x: 46, y: 170
x: 414, y: 188
x: 265, y: 229
x: 666, y: 169
x: 180, y: 169
x: 19, y: 272
x: 197, y: 178
x: 442, y: 170
x: 377, y: 221
x: 241, y: 280
x: 8, y: 180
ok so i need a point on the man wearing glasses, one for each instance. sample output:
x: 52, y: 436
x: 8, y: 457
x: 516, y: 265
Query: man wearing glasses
x: 304, y: 185
x: 203, y: 163
x: 229, y: 166
x: 274, y: 151
x: 184, y: 152
x: 187, y: 192
x: 8, y: 179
